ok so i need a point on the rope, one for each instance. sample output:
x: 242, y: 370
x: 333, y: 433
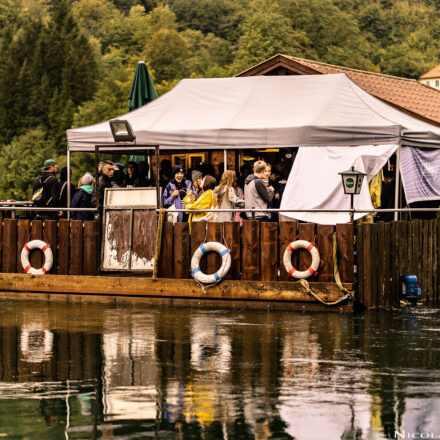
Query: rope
x: 305, y: 284
x: 158, y: 242
x: 348, y: 294
x: 337, y: 277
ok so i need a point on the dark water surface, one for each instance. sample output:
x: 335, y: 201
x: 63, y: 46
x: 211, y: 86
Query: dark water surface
x: 83, y: 371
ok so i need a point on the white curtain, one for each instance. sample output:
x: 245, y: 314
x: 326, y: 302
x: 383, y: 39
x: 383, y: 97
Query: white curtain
x: 314, y: 182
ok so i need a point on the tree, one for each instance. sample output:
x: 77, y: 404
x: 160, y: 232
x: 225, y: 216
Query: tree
x: 168, y: 54
x: 219, y: 17
x: 20, y: 162
x: 265, y: 33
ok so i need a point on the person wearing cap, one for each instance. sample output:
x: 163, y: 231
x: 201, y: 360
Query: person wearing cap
x: 176, y: 191
x: 197, y: 177
x: 51, y: 190
x: 83, y: 198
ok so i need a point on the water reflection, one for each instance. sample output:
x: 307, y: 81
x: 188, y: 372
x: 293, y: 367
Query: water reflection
x: 131, y: 371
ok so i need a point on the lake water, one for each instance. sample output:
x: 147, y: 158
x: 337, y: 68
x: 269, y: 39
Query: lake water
x: 127, y: 371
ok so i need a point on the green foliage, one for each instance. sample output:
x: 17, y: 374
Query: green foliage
x: 266, y: 32
x: 20, y: 162
x: 70, y: 63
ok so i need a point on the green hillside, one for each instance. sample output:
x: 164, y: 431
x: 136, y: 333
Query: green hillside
x: 70, y: 63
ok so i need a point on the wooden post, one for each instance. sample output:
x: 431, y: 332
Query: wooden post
x: 251, y: 250
x: 76, y: 248
x: 23, y: 234
x: 166, y: 251
x: 198, y: 233
x: 90, y: 248
x: 359, y: 263
x: 214, y: 234
x: 9, y: 254
x: 51, y: 233
x: 288, y: 233
x: 374, y: 256
x: 324, y: 240
x: 345, y: 252
x: 37, y: 234
x: 1, y: 243
x: 269, y: 251
x: 63, y: 247
x: 306, y: 231
x: 387, y: 254
x: 366, y: 264
x: 232, y: 237
x: 181, y: 263
x: 158, y: 200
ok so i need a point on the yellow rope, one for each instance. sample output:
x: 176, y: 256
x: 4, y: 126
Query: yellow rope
x: 158, y: 242
x: 348, y: 294
x: 336, y: 271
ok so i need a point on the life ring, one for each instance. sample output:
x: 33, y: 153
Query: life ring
x: 197, y: 273
x: 287, y: 259
x: 48, y: 257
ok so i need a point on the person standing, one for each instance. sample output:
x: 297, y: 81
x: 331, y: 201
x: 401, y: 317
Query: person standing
x: 256, y: 195
x: 227, y: 197
x: 46, y: 190
x: 83, y: 198
x: 63, y: 190
x: 104, y: 181
x: 197, y: 177
x: 176, y: 190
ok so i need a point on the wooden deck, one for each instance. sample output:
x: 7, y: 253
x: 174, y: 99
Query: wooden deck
x: 251, y: 294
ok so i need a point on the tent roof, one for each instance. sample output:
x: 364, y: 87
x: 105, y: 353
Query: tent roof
x: 263, y: 111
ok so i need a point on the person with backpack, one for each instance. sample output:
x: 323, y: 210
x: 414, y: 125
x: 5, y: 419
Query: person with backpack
x: 46, y: 190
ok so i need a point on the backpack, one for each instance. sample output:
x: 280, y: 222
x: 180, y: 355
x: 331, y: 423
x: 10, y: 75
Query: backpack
x: 39, y: 197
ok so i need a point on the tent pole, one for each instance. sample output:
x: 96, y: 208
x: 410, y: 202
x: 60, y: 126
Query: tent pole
x: 225, y: 159
x: 68, y: 183
x: 158, y: 200
x: 397, y: 183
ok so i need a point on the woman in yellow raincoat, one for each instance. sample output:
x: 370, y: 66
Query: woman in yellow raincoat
x: 206, y: 200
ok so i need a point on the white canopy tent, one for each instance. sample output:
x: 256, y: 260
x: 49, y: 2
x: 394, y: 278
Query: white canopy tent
x: 263, y: 111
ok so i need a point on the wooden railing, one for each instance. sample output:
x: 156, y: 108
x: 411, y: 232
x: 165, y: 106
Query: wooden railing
x: 256, y: 248
x: 74, y: 245
x: 388, y: 251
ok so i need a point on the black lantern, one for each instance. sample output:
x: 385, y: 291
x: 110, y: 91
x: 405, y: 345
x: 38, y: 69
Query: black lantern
x: 352, y: 183
x: 122, y: 131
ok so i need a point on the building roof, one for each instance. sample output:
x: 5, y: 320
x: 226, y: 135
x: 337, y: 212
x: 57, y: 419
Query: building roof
x: 433, y: 73
x: 406, y: 94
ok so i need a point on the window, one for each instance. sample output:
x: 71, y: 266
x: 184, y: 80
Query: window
x: 428, y: 83
x: 437, y: 82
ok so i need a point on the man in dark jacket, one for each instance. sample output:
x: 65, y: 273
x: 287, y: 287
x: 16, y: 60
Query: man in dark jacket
x: 104, y: 181
x: 256, y: 194
x: 50, y: 186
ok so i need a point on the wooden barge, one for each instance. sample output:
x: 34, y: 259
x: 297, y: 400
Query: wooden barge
x: 382, y: 253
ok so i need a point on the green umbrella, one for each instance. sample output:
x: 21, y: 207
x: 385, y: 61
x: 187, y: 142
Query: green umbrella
x: 142, y: 92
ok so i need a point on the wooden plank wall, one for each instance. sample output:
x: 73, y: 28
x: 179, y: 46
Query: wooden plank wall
x: 74, y: 245
x: 387, y: 251
x: 258, y: 253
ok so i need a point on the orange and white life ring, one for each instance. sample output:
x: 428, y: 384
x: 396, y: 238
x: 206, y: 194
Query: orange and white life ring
x: 287, y: 259
x: 48, y: 257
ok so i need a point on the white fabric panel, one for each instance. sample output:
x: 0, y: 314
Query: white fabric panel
x: 314, y: 182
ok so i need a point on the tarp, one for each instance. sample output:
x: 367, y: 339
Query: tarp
x: 314, y: 182
x: 264, y: 111
x: 420, y: 174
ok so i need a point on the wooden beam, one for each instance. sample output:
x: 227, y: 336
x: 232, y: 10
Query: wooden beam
x: 260, y: 291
